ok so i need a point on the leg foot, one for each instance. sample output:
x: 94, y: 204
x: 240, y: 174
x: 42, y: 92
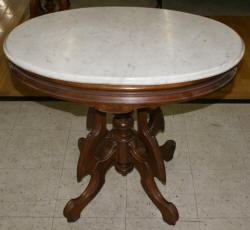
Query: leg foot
x: 74, y: 207
x: 156, y: 121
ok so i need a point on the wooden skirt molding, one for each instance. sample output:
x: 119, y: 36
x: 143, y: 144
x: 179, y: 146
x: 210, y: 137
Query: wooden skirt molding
x: 196, y: 101
x: 123, y: 99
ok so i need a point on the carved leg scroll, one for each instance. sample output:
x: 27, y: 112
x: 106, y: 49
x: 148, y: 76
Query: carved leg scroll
x: 97, y: 122
x: 97, y: 155
x: 156, y: 121
x: 125, y: 148
x: 147, y: 136
x: 168, y: 149
x: 168, y: 210
x: 155, y: 125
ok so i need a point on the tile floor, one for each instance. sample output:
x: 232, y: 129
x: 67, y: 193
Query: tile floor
x: 208, y: 180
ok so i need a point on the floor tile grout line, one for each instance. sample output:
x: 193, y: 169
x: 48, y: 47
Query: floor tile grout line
x: 245, y: 139
x: 137, y: 217
x: 195, y: 194
x: 11, y: 130
x: 62, y: 168
x: 19, y: 112
x: 244, y: 132
x: 238, y: 118
x: 31, y: 217
x: 61, y: 174
x: 190, y: 165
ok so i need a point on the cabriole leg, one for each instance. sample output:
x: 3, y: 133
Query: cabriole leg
x: 141, y: 162
x: 74, y: 207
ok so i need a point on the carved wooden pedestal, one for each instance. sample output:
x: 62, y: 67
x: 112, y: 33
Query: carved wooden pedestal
x: 124, y: 148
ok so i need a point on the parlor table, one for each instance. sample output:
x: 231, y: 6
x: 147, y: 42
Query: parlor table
x: 119, y: 60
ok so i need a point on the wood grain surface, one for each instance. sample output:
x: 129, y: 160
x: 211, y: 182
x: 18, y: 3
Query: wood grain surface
x: 120, y: 99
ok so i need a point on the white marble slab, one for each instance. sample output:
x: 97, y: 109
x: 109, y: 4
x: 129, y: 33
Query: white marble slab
x: 124, y: 46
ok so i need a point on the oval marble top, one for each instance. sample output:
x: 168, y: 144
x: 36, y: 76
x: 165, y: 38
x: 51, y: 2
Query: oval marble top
x: 124, y: 46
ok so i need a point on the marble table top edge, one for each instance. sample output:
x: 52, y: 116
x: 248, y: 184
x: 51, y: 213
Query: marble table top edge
x: 161, y: 80
x: 142, y: 79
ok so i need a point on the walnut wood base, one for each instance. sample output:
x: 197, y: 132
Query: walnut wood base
x: 125, y: 148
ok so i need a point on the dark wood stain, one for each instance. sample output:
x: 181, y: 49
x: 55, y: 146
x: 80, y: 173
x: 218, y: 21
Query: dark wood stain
x: 124, y: 148
x: 122, y: 99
